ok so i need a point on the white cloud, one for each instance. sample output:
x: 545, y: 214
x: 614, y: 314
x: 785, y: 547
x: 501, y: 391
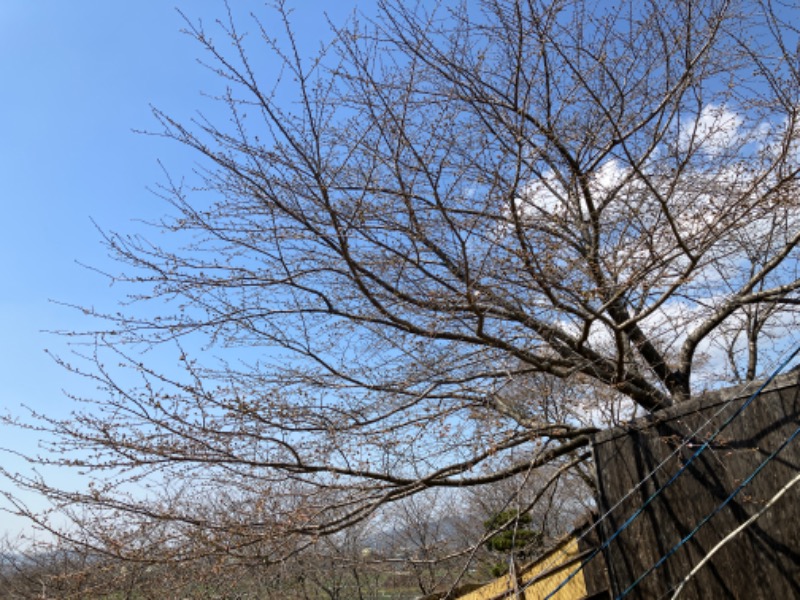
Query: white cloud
x: 716, y: 130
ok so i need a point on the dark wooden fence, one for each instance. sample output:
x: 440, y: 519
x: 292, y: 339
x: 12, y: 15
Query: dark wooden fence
x: 761, y: 562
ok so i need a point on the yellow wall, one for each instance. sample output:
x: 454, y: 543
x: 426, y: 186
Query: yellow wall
x: 493, y: 589
x: 547, y: 573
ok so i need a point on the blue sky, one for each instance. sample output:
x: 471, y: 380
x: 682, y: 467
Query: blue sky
x: 77, y: 78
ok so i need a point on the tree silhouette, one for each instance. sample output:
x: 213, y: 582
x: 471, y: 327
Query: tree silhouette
x: 475, y: 234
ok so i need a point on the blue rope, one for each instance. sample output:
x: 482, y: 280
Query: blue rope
x: 680, y: 471
x: 710, y: 515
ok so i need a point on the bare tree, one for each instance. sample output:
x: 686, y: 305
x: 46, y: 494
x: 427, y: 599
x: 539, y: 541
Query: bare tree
x: 598, y: 200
